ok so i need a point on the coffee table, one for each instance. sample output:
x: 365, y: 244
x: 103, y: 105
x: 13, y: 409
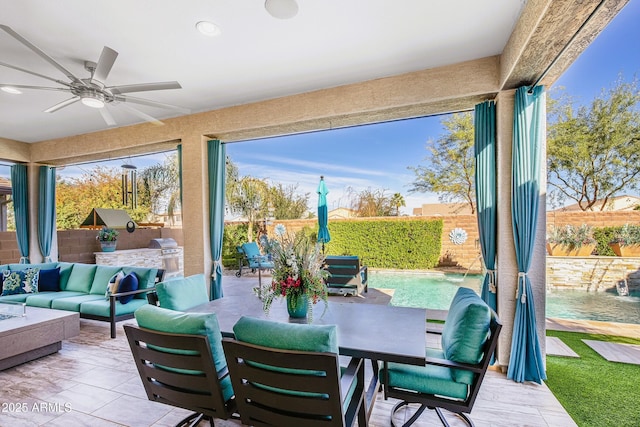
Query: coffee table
x: 37, y: 333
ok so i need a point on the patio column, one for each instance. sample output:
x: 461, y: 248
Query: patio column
x: 506, y: 265
x: 195, y: 202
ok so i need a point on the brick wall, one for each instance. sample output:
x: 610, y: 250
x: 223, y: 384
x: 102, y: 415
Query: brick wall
x: 79, y: 245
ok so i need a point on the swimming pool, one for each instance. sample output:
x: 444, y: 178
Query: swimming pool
x: 436, y: 290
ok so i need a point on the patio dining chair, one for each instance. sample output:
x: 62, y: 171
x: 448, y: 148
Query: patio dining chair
x: 452, y: 376
x: 181, y: 363
x: 289, y: 375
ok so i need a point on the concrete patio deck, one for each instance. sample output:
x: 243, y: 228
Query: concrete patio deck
x: 93, y: 381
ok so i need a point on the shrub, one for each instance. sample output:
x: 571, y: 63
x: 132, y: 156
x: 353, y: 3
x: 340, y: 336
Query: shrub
x: 627, y: 235
x: 571, y: 236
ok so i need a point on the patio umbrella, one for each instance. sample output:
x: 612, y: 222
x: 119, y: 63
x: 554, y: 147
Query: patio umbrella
x: 323, y: 214
x: 526, y: 362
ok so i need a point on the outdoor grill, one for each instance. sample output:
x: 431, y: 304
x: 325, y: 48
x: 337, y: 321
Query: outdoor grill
x: 170, y: 255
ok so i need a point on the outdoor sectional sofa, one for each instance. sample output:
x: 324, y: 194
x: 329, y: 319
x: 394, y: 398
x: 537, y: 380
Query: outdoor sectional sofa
x: 83, y: 288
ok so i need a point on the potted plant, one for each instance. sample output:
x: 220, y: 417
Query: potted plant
x: 298, y: 274
x: 626, y: 241
x: 570, y: 240
x: 107, y: 238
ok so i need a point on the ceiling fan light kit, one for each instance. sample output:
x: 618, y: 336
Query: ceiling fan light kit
x: 93, y: 91
x: 281, y: 9
x: 11, y: 90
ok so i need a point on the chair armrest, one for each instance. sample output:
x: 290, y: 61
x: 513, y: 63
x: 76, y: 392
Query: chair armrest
x: 364, y: 274
x: 451, y: 364
x: 435, y: 328
x: 138, y: 291
x: 351, y: 374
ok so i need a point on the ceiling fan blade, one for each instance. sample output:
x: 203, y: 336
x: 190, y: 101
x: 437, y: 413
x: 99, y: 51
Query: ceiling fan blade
x: 142, y: 87
x: 35, y: 74
x: 63, y: 89
x: 40, y: 53
x: 142, y: 115
x: 106, y: 115
x: 150, y: 103
x: 62, y: 104
x: 107, y: 58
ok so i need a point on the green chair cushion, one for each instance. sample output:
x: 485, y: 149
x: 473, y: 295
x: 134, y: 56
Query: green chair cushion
x: 428, y: 379
x: 80, y: 278
x: 101, y: 279
x: 73, y: 303
x: 100, y: 307
x: 466, y: 329
x: 164, y: 320
x: 45, y: 299
x: 287, y: 336
x: 182, y: 293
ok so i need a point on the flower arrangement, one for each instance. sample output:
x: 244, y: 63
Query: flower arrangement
x: 107, y: 234
x: 298, y: 271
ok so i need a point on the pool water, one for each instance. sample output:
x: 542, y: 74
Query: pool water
x: 436, y: 290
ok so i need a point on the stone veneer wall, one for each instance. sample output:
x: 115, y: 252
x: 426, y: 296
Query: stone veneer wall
x: 592, y: 273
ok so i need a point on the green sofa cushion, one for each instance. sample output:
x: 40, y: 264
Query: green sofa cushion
x: 15, y: 297
x: 175, y: 322
x: 100, y: 307
x: 466, y: 329
x: 73, y: 303
x: 287, y: 336
x: 81, y: 278
x: 65, y: 272
x: 182, y: 293
x: 429, y: 379
x: 44, y: 299
x: 101, y: 279
x: 42, y: 266
x: 146, y: 276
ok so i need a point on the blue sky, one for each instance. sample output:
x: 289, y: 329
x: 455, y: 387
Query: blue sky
x: 378, y: 156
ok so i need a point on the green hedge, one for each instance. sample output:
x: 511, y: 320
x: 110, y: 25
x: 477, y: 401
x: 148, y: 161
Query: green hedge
x: 388, y: 244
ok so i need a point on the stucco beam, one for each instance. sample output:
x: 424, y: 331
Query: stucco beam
x: 15, y: 151
x: 434, y: 91
x: 542, y: 32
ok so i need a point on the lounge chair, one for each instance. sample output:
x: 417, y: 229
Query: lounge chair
x: 347, y: 276
x: 251, y: 258
x: 452, y: 376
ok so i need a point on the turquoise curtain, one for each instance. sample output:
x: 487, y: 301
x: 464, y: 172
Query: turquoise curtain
x: 46, y: 210
x: 180, y: 173
x: 526, y: 362
x: 485, y: 181
x: 217, y: 164
x: 19, y: 194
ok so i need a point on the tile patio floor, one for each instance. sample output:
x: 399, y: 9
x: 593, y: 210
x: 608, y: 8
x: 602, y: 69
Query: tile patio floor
x: 93, y: 381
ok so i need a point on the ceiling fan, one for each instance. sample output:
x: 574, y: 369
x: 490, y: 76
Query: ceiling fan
x: 93, y: 91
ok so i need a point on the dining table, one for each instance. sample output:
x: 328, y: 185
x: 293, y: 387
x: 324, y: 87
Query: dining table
x: 367, y: 331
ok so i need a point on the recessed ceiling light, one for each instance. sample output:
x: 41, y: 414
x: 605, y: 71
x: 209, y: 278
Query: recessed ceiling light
x: 281, y: 9
x: 208, y: 28
x: 10, y: 89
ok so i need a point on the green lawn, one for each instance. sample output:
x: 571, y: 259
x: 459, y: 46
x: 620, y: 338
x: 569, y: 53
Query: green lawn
x: 595, y: 392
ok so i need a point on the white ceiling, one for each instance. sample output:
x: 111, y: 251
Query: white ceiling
x: 256, y: 57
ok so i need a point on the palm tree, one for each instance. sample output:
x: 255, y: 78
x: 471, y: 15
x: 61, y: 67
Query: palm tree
x: 397, y: 201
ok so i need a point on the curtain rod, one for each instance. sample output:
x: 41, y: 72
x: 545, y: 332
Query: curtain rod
x: 566, y: 46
